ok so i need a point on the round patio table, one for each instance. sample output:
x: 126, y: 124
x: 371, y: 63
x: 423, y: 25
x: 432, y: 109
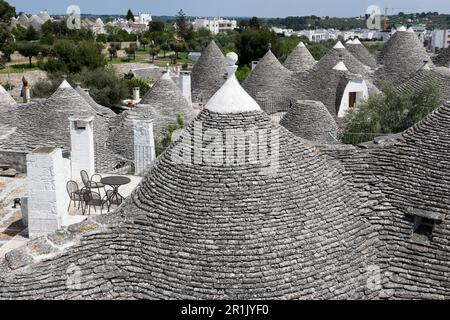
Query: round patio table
x: 115, y: 182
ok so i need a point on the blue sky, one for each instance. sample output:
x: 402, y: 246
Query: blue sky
x: 261, y: 8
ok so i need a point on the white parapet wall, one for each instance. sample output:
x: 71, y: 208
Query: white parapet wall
x: 82, y: 146
x: 144, y: 145
x: 184, y: 83
x: 47, y: 196
x: 357, y: 86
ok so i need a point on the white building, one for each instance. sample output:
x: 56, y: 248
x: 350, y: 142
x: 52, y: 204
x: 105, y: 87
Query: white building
x: 440, y: 39
x: 215, y: 25
x: 143, y: 17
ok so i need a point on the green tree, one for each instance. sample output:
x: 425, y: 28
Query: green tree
x: 156, y: 26
x: 144, y: 41
x: 113, y: 48
x: 391, y: 112
x: 8, y: 49
x: 254, y: 23
x: 71, y: 57
x: 177, y: 46
x: 163, y: 143
x: 31, y: 34
x: 130, y: 15
x: 30, y: 50
x: 6, y: 12
x: 154, y: 51
x: 131, y: 51
x: 106, y: 88
x: 243, y: 72
x: 184, y: 30
x: 134, y: 82
x: 165, y: 47
x: 19, y: 33
x: 181, y: 23
x: 252, y: 44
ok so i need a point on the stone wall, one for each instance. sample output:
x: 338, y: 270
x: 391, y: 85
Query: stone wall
x: 47, y: 197
x: 16, y: 159
x: 16, y: 80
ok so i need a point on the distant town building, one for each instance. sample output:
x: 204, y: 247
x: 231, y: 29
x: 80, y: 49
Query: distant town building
x: 36, y: 21
x: 215, y: 25
x: 97, y: 27
x: 143, y: 18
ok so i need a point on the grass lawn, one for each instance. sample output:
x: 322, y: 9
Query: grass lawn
x: 143, y: 56
x: 19, y: 68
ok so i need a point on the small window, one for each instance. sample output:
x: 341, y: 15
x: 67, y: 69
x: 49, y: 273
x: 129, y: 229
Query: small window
x: 352, y: 99
x: 423, y: 226
x: 80, y: 125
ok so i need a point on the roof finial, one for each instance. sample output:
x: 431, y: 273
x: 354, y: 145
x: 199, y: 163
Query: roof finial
x: 230, y: 60
x: 270, y: 45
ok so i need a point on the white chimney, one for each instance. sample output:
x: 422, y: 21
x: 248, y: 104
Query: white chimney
x: 184, y: 83
x: 26, y: 95
x: 82, y: 145
x: 254, y: 64
x: 47, y: 196
x: 136, y: 94
x: 144, y: 145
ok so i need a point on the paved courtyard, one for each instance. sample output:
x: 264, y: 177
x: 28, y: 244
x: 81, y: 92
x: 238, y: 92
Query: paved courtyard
x: 13, y: 233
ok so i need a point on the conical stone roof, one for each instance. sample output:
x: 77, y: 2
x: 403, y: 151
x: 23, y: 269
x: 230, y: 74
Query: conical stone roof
x: 357, y: 49
x: 311, y: 120
x: 300, y: 59
x: 402, y: 56
x: 269, y: 81
x: 405, y: 177
x: 44, y: 16
x: 101, y: 110
x: 46, y: 124
x: 6, y: 101
x: 217, y: 227
x: 337, y: 54
x: 311, y: 86
x: 443, y: 59
x: 208, y: 74
x: 438, y: 76
x: 162, y: 104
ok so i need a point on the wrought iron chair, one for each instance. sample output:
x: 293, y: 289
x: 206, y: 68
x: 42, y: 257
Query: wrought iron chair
x: 75, y: 194
x: 92, y: 183
x: 93, y: 199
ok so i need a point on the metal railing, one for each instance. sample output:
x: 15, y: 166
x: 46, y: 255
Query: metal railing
x: 357, y: 138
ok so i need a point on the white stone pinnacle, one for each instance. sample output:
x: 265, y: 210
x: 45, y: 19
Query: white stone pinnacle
x: 65, y: 85
x: 340, y: 66
x: 339, y: 45
x: 301, y: 45
x: 232, y: 98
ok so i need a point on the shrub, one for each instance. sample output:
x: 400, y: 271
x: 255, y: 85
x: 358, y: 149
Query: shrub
x: 392, y: 112
x: 143, y: 85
